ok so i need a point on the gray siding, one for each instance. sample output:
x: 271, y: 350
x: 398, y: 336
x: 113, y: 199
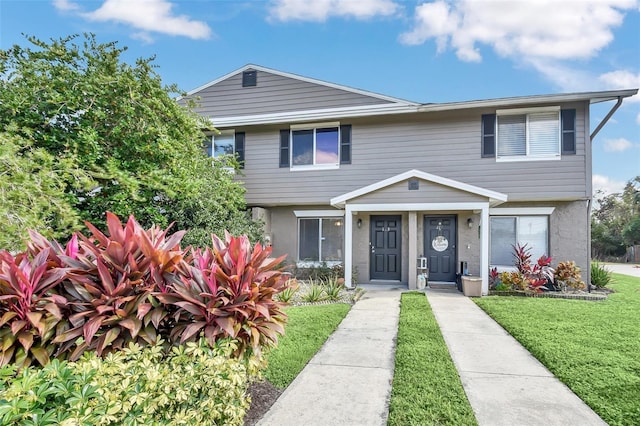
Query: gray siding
x: 446, y: 144
x: 273, y: 93
x: 429, y: 192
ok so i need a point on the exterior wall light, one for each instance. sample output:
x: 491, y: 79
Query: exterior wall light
x: 470, y: 222
x: 359, y: 223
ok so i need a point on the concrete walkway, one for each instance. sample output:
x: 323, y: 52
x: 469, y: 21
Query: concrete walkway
x: 348, y: 382
x: 505, y: 384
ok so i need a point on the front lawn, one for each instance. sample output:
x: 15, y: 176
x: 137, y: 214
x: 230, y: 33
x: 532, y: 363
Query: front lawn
x: 306, y: 331
x: 593, y: 347
x: 426, y: 386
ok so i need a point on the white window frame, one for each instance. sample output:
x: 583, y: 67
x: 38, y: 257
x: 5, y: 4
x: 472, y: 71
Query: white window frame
x: 517, y: 218
x: 314, y: 127
x: 320, y: 216
x: 227, y: 132
x: 526, y: 112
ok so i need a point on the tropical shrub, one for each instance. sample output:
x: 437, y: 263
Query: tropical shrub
x: 600, y: 276
x: 314, y: 292
x: 286, y: 295
x: 230, y: 292
x: 29, y: 312
x: 193, y: 385
x: 333, y: 287
x: 110, y: 285
x: 568, y: 276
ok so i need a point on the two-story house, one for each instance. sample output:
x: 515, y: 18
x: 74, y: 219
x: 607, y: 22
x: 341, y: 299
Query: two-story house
x: 341, y: 175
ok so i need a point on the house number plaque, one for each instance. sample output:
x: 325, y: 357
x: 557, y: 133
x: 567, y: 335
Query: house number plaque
x: 440, y: 243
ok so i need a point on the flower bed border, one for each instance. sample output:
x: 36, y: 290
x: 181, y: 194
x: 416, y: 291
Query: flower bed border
x: 593, y: 297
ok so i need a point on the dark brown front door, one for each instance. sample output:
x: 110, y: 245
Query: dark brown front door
x: 385, y: 243
x: 440, y: 247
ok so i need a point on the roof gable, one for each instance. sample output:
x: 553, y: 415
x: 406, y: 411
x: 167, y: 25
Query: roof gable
x: 380, y: 97
x: 493, y: 196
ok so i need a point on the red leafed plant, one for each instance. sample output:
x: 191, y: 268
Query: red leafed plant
x: 535, y: 277
x: 230, y: 292
x: 29, y: 312
x: 110, y: 284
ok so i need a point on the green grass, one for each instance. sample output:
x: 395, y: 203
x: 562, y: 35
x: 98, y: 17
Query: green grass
x: 426, y: 386
x: 593, y: 347
x: 306, y: 331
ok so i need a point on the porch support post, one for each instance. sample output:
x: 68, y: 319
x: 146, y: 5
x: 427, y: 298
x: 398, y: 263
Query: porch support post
x: 484, y: 248
x: 413, y: 249
x: 348, y: 246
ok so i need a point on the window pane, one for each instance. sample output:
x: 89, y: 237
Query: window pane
x: 302, y: 141
x: 503, y: 238
x: 544, y: 134
x: 223, y: 144
x: 309, y: 240
x: 327, y: 146
x: 207, y: 145
x: 332, y: 239
x: 533, y: 231
x: 511, y: 135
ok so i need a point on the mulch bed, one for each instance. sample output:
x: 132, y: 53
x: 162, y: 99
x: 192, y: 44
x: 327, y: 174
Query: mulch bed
x: 263, y: 396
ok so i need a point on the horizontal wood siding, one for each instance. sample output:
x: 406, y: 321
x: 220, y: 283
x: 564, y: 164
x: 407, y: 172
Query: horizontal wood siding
x: 428, y: 192
x: 273, y: 93
x: 446, y: 144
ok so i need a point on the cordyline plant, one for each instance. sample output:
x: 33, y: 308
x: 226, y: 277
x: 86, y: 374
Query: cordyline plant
x: 110, y: 284
x: 532, y: 277
x: 230, y: 293
x: 30, y: 313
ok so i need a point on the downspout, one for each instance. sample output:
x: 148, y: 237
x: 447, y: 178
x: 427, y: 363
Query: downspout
x: 606, y: 118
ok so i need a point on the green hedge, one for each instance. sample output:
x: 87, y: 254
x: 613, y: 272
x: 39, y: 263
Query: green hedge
x: 192, y: 385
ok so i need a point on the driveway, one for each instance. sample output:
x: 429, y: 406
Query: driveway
x: 630, y: 269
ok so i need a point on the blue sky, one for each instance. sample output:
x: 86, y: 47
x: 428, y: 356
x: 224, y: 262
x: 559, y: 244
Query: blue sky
x: 424, y: 51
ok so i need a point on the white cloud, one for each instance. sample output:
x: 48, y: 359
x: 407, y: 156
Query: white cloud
x: 617, y: 145
x: 622, y: 79
x: 638, y: 118
x: 65, y: 5
x: 544, y: 29
x: 148, y: 16
x: 605, y: 185
x: 321, y: 10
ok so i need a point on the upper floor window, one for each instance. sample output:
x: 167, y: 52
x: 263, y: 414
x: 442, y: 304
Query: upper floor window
x: 528, y: 134
x: 311, y: 146
x: 227, y: 142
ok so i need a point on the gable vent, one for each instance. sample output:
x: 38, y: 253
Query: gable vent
x: 249, y: 78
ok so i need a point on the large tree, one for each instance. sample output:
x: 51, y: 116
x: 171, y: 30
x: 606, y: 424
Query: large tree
x: 615, y: 222
x: 118, y: 138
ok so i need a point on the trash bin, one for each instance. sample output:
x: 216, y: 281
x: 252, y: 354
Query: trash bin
x: 471, y: 286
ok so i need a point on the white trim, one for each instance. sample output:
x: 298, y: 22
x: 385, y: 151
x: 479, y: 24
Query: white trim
x: 312, y: 115
x: 522, y: 111
x: 403, y: 207
x: 348, y: 247
x: 521, y: 211
x: 493, y: 195
x: 484, y: 248
x: 319, y: 213
x: 300, y: 78
x: 310, y: 126
x: 516, y: 158
x: 309, y: 167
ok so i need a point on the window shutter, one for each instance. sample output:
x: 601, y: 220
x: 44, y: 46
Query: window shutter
x: 345, y: 144
x: 512, y: 135
x: 488, y: 135
x: 284, y: 148
x: 239, y: 147
x: 568, y: 117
